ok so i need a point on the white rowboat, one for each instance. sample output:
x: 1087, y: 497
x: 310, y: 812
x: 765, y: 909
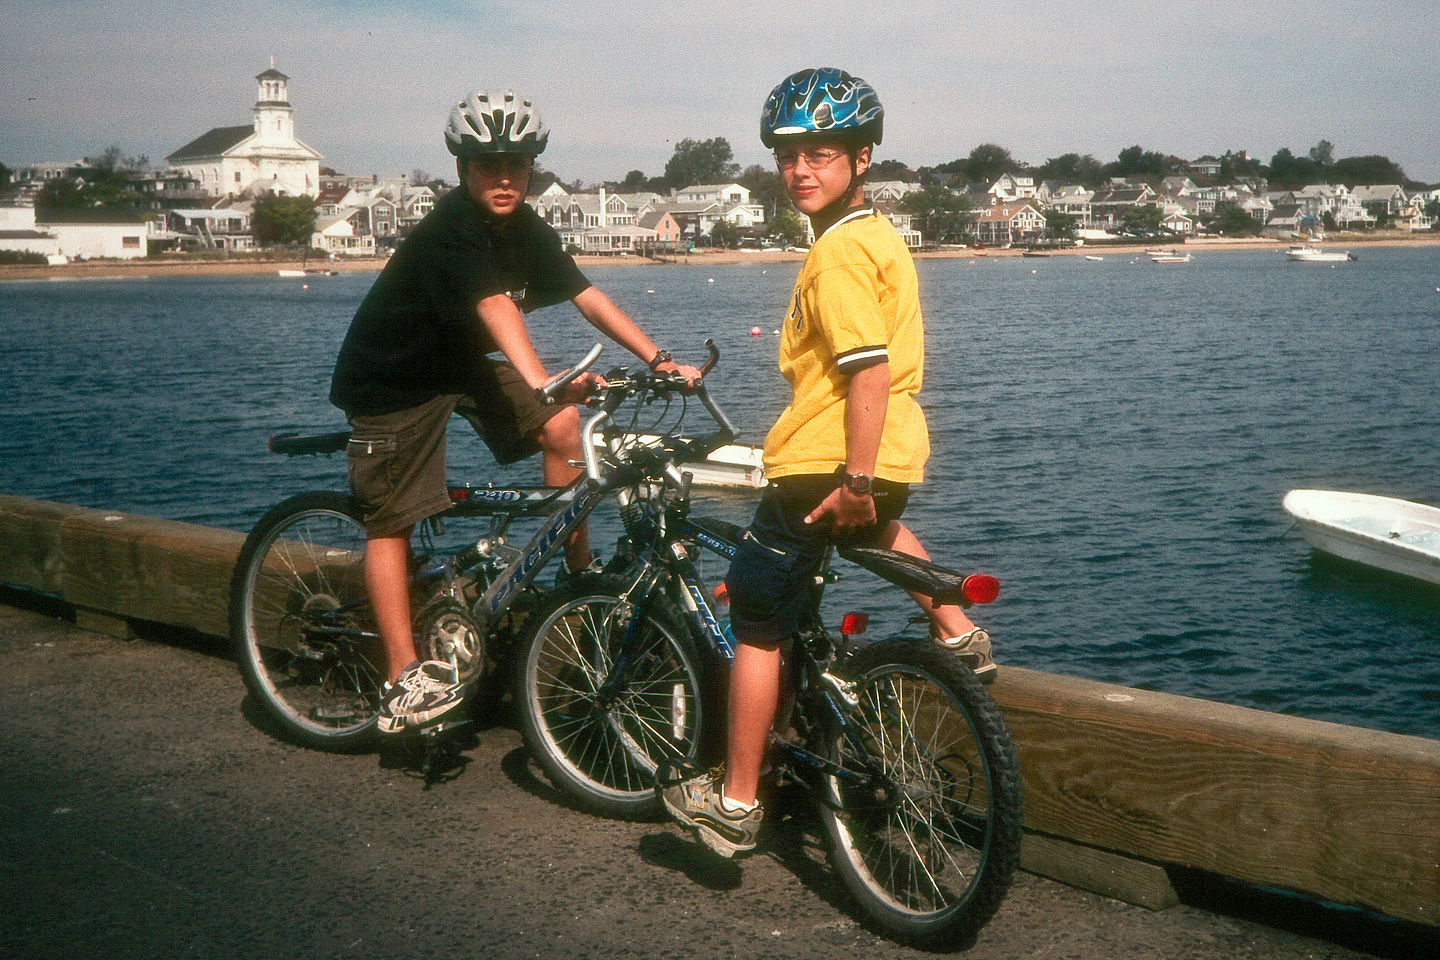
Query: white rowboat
x: 1395, y: 535
x: 733, y: 465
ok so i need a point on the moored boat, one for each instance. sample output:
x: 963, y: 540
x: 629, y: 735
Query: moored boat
x: 1168, y: 256
x: 733, y: 465
x: 1305, y: 253
x: 1400, y: 536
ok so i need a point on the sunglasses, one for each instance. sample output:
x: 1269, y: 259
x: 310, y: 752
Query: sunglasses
x: 501, y: 164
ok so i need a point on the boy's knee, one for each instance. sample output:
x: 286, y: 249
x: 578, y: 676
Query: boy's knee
x: 561, y: 432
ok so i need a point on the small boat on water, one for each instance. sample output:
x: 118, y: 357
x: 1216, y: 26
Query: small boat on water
x: 1092, y: 257
x: 308, y: 273
x: 1396, y: 535
x: 733, y: 465
x: 1304, y: 253
x: 1168, y: 256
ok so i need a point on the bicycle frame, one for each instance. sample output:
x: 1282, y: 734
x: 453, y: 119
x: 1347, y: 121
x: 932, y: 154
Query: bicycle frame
x: 688, y: 590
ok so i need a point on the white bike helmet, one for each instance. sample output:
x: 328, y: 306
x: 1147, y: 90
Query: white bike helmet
x: 495, y: 121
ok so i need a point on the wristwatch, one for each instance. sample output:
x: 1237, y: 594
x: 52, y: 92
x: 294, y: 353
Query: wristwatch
x: 661, y: 356
x: 857, y: 483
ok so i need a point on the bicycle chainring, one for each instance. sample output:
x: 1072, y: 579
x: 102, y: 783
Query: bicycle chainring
x: 446, y: 631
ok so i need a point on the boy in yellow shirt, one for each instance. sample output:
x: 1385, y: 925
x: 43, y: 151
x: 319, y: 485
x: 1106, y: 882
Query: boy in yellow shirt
x: 842, y: 454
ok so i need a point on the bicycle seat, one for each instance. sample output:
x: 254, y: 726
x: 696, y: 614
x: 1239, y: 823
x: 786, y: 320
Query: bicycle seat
x: 298, y: 444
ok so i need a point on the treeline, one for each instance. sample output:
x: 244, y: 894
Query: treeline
x: 711, y: 161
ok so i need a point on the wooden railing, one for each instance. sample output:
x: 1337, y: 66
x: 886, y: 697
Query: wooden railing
x: 1119, y: 783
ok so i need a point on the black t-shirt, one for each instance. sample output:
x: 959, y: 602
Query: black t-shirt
x: 417, y: 335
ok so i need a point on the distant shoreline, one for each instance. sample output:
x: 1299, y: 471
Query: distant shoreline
x: 111, y: 269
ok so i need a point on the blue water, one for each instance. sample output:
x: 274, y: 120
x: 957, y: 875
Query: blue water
x: 1111, y: 439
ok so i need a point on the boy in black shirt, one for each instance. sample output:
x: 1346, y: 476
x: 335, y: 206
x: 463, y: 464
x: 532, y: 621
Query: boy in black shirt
x: 455, y: 291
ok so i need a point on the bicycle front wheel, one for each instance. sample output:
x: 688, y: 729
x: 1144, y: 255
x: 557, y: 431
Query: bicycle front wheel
x: 600, y: 706
x: 924, y: 818
x: 301, y: 623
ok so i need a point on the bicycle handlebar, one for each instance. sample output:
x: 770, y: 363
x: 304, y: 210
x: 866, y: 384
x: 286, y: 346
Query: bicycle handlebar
x: 549, y: 392
x: 623, y: 386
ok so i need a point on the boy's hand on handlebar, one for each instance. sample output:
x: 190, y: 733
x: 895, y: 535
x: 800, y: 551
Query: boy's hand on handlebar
x: 681, y: 370
x: 577, y: 390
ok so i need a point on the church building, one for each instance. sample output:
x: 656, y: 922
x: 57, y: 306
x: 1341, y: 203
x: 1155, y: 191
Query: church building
x: 261, y: 157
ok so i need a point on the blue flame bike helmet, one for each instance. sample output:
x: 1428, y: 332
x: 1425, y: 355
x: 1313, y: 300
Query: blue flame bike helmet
x: 822, y: 100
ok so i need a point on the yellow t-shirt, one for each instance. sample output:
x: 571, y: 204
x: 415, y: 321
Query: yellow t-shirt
x: 856, y: 302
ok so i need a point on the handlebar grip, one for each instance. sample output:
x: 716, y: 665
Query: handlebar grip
x: 714, y: 358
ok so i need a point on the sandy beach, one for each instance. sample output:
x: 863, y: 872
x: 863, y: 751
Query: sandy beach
x: 163, y: 266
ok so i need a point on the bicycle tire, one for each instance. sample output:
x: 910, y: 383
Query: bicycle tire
x: 604, y: 752
x: 301, y: 625
x: 928, y: 850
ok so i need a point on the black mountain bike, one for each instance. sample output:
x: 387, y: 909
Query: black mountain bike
x: 301, y: 621
x: 903, y: 751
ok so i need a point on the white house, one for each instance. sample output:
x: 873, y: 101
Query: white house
x: 345, y: 234
x: 226, y: 228
x: 263, y: 157
x: 96, y: 233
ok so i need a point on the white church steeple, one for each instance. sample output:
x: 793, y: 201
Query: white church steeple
x: 274, y: 119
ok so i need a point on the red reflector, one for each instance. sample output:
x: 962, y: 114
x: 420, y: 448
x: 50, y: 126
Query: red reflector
x: 854, y: 624
x: 980, y: 588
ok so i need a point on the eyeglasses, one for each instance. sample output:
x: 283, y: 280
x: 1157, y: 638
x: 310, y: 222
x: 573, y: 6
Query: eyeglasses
x: 501, y: 164
x: 815, y: 159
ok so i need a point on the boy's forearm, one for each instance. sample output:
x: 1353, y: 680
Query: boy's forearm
x: 610, y: 320
x: 865, y: 406
x: 503, y: 321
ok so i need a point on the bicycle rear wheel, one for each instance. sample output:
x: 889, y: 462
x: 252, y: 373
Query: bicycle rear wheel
x: 301, y: 623
x: 925, y: 828
x: 600, y: 714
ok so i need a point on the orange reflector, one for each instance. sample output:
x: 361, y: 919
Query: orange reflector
x: 980, y: 588
x: 854, y: 624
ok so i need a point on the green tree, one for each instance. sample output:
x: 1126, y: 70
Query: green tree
x: 725, y: 234
x: 634, y: 182
x: 96, y: 187
x: 1231, y: 221
x: 788, y: 227
x: 1237, y: 163
x: 700, y: 161
x: 941, y: 212
x: 4, y: 176
x: 283, y: 219
x: 1136, y: 161
x: 1288, y: 170
x: 1059, y: 224
x: 1072, y: 168
x: 1367, y: 170
x: 1323, y: 153
x: 1146, y: 216
x: 766, y: 189
x: 890, y: 170
x: 989, y: 162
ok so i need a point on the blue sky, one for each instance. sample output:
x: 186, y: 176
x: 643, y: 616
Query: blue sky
x: 621, y: 82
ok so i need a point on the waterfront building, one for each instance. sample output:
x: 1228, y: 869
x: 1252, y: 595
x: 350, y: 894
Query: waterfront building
x: 262, y: 157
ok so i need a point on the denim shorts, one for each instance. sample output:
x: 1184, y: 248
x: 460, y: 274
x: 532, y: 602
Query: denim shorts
x: 772, y: 576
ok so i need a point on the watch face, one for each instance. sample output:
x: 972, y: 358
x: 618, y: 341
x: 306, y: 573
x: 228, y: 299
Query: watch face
x: 857, y: 482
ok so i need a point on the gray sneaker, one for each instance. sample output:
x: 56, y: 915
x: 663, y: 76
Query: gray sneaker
x: 974, y: 649
x: 695, y: 803
x: 423, y: 694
